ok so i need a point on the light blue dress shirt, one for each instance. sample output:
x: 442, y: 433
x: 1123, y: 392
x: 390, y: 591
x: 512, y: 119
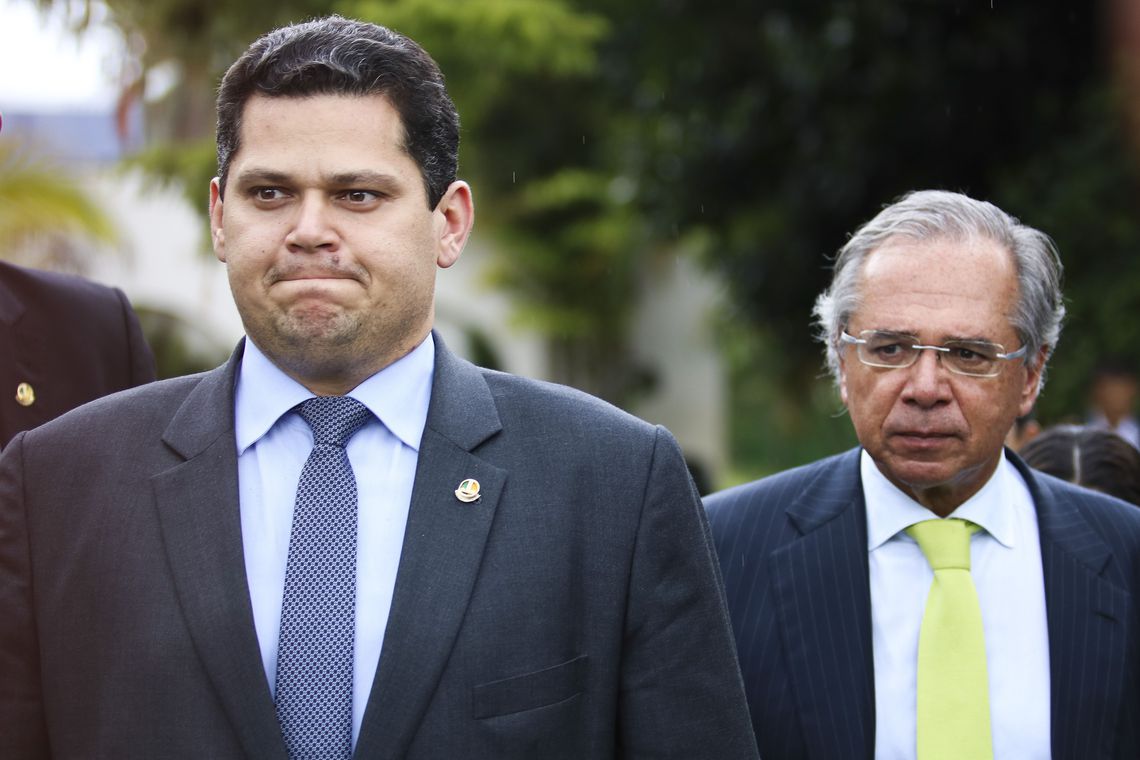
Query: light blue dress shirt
x: 1005, y: 561
x: 273, y: 443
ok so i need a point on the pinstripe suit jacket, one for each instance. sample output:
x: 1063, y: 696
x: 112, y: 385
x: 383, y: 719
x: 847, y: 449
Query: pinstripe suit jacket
x: 793, y: 551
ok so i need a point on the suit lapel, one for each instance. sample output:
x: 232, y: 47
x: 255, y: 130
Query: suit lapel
x: 442, y: 551
x: 197, y: 504
x: 1087, y: 616
x: 824, y: 606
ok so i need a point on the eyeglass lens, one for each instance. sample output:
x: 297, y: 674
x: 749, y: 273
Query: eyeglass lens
x: 965, y: 357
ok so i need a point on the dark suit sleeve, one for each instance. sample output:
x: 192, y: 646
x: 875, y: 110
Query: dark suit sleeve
x: 22, y: 728
x: 141, y: 359
x: 681, y: 691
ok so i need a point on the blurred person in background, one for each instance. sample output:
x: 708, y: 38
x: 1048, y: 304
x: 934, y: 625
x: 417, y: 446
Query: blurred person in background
x: 1088, y: 457
x: 65, y: 341
x: 858, y: 585
x: 1025, y: 428
x: 1113, y: 395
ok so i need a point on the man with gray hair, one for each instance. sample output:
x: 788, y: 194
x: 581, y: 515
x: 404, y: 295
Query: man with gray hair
x: 926, y: 595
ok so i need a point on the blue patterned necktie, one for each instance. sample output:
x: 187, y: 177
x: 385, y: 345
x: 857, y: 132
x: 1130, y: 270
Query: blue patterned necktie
x: 313, y: 692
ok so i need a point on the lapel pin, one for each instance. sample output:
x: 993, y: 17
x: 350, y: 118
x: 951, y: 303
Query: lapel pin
x: 468, y: 491
x: 26, y: 396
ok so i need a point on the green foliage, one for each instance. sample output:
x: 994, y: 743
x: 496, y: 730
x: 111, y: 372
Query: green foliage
x: 477, y: 41
x: 571, y: 246
x: 188, y: 167
x: 770, y: 131
x: 780, y: 127
x: 769, y: 429
x: 570, y: 256
x: 38, y: 200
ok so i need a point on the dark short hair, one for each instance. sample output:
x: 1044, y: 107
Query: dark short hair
x: 339, y: 56
x: 1089, y: 457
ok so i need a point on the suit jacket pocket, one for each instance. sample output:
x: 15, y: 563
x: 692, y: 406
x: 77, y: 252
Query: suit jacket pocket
x: 532, y: 690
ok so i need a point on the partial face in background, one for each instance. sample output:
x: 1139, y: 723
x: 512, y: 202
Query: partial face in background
x: 935, y: 434
x: 1114, y: 395
x: 327, y: 237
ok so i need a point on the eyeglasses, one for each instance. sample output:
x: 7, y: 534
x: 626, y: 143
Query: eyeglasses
x: 976, y: 358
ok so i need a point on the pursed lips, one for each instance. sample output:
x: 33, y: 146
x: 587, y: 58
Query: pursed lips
x: 921, y: 440
x: 923, y: 433
x: 310, y: 276
x: 926, y: 430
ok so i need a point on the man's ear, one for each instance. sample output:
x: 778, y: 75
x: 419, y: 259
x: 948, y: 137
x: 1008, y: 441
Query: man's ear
x: 217, y: 236
x: 454, y: 215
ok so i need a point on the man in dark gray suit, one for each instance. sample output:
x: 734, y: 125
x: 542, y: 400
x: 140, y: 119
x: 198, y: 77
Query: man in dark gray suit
x: 532, y: 574
x: 938, y: 322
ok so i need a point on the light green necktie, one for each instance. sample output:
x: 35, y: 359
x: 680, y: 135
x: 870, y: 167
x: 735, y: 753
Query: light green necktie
x: 953, y: 690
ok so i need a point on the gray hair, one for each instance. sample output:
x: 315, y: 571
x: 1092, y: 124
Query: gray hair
x: 938, y: 214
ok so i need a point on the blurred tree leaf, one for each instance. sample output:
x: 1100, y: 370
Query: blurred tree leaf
x: 40, y: 202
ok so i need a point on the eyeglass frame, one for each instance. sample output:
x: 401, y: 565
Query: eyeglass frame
x: 850, y: 340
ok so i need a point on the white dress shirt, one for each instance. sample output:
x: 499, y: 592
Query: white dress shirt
x: 1005, y: 560
x: 273, y: 443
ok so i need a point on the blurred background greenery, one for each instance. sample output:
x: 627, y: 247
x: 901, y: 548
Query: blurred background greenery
x: 753, y: 137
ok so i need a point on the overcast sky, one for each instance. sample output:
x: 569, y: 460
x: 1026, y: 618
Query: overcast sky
x: 45, y: 67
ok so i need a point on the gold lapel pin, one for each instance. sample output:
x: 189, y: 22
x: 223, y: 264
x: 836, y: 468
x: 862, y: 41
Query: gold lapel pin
x: 468, y: 491
x: 26, y: 396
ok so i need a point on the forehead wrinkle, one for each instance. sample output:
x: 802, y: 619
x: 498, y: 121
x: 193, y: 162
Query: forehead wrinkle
x: 887, y: 298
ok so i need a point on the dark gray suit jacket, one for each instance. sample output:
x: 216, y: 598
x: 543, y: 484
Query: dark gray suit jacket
x: 573, y: 612
x: 793, y: 548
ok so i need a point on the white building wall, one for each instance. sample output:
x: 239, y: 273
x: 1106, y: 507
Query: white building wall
x: 674, y: 332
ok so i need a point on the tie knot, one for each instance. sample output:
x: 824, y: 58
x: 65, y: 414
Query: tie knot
x: 946, y: 543
x: 334, y: 419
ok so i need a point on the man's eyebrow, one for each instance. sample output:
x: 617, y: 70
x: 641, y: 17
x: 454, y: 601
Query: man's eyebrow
x: 258, y: 175
x: 345, y: 179
x: 969, y: 339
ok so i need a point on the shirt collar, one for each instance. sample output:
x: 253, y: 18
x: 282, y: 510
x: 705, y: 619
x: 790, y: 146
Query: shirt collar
x: 890, y: 511
x: 398, y: 394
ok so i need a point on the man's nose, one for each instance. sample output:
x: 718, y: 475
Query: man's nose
x: 312, y: 228
x: 927, y: 383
